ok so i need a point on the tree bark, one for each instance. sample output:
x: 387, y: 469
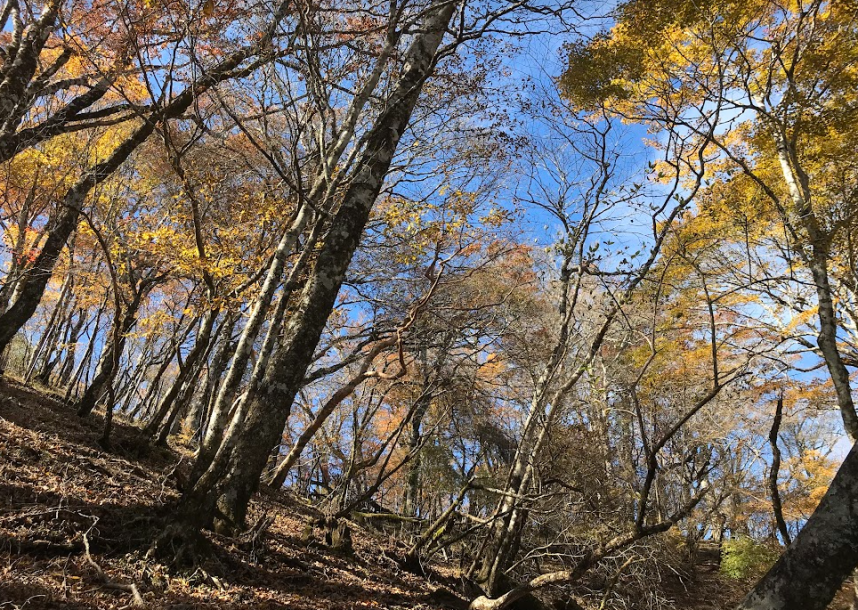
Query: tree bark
x: 195, y: 421
x: 229, y: 386
x: 16, y: 76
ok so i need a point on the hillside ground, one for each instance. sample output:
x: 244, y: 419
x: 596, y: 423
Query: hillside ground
x: 61, y: 492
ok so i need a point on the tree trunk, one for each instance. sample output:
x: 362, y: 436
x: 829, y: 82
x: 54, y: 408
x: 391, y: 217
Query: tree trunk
x: 774, y: 470
x: 495, y: 556
x: 822, y: 556
x: 49, y: 331
x: 181, y: 402
x: 18, y: 73
x: 223, y: 403
x: 817, y: 261
x: 105, y: 372
x: 129, y: 391
x: 147, y: 404
x: 415, y: 437
x: 195, y: 421
x: 233, y: 475
x: 68, y: 362
x: 87, y: 356
x: 827, y: 342
x: 229, y: 386
x: 54, y: 351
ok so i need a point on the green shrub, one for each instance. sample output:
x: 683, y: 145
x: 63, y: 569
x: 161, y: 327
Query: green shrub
x: 745, y: 557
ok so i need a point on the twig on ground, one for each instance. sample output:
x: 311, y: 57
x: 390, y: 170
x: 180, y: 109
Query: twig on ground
x: 105, y: 581
x: 166, y: 478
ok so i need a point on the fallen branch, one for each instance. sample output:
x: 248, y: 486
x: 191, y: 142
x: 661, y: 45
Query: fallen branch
x: 363, y: 516
x: 105, y: 581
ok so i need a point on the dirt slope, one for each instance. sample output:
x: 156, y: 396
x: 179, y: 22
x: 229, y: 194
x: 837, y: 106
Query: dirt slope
x: 57, y: 486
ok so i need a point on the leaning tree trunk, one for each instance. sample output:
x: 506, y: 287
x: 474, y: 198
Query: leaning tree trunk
x: 798, y: 186
x: 182, y: 401
x: 67, y: 365
x: 18, y: 72
x: 108, y: 363
x: 822, y: 556
x: 44, y: 348
x: 228, y: 388
x: 223, y: 405
x: 147, y: 405
x: 233, y: 476
x: 54, y: 351
x: 83, y: 367
x: 199, y: 410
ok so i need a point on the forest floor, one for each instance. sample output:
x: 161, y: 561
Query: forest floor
x: 77, y: 521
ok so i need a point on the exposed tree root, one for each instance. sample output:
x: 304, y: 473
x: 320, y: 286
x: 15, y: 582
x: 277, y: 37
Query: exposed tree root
x: 180, y: 546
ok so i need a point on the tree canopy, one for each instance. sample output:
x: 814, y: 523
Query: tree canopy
x: 566, y: 292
